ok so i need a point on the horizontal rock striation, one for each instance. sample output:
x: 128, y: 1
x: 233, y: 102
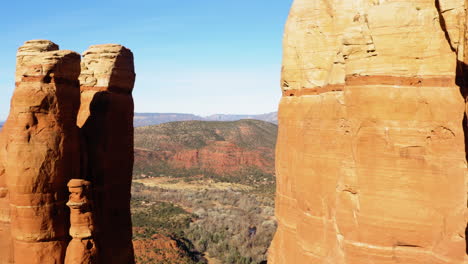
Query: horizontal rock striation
x: 371, y: 160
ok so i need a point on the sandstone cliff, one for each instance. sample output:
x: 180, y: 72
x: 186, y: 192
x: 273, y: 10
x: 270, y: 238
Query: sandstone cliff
x: 42, y: 149
x: 371, y: 160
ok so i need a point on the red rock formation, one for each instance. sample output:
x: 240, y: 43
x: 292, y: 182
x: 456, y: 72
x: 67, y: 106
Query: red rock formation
x: 39, y: 151
x: 159, y: 249
x: 82, y: 248
x: 224, y: 157
x: 6, y: 248
x: 371, y: 161
x: 216, y: 147
x: 219, y: 157
x: 106, y: 121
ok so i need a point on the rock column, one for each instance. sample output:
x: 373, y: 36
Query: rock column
x: 40, y: 150
x: 82, y: 248
x: 106, y: 121
x: 371, y: 162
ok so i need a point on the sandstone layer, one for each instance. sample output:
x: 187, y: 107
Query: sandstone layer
x: 106, y: 122
x: 38, y: 153
x: 371, y: 162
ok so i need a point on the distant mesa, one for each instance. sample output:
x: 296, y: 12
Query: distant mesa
x: 207, y: 148
x: 148, y: 119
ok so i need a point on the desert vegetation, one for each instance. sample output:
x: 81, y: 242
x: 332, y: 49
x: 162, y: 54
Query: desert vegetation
x: 207, y: 220
x: 206, y: 186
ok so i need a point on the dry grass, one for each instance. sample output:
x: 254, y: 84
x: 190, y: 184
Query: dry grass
x: 194, y: 184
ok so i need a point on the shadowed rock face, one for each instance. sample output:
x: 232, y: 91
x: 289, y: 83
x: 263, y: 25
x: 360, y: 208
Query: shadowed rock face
x: 106, y: 121
x: 42, y: 149
x: 371, y: 161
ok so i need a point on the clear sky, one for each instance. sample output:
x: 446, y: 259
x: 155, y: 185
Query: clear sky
x: 191, y: 56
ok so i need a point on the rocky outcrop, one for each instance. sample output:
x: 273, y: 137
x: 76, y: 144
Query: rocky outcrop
x: 42, y: 149
x: 160, y: 249
x: 371, y: 160
x: 106, y: 122
x: 39, y: 146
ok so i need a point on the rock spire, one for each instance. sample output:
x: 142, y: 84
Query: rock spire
x: 44, y: 146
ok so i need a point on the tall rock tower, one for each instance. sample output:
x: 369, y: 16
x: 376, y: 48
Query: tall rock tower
x: 39, y: 152
x: 51, y: 140
x: 371, y: 153
x: 106, y: 122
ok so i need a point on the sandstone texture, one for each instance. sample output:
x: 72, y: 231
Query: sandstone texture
x: 42, y: 149
x: 371, y: 153
x: 106, y: 122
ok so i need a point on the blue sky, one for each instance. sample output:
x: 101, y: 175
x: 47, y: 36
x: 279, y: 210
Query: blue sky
x: 191, y: 56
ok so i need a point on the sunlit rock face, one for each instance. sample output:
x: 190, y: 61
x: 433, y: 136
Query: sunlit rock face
x: 38, y: 154
x: 371, y: 161
x: 106, y: 123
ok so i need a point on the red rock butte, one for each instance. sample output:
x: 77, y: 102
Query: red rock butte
x: 66, y: 157
x: 371, y: 156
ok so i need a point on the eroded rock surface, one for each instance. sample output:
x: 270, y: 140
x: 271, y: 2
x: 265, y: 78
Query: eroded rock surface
x: 371, y: 160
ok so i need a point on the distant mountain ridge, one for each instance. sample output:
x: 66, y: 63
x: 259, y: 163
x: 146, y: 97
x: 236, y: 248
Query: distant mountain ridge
x: 200, y: 147
x: 148, y: 119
